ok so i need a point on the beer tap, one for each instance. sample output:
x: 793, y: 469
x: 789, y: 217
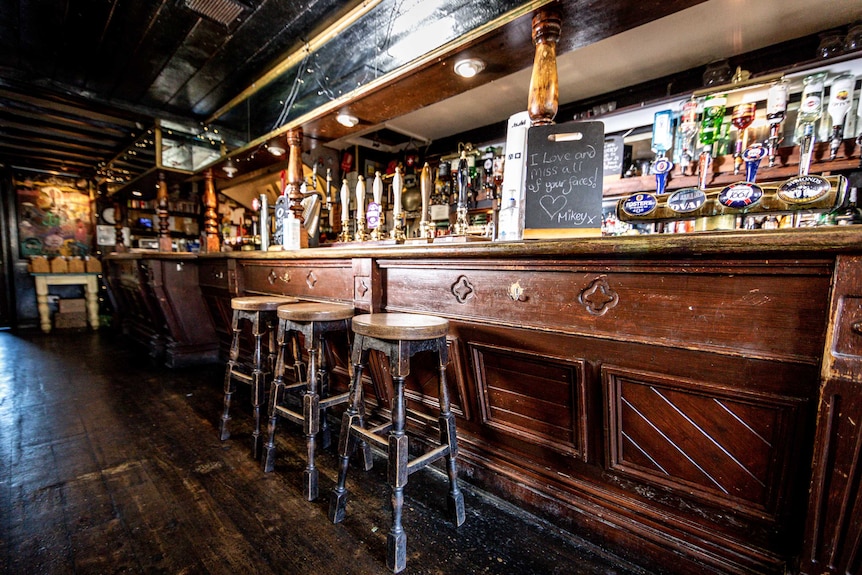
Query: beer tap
x: 810, y: 110
x: 776, y: 111
x: 662, y: 141
x: 360, y: 235
x: 426, y: 228
x: 375, y: 210
x: 840, y: 101
x: 859, y: 127
x: 263, y: 204
x: 345, y: 212
x: 463, y: 181
x: 397, y: 188
x: 330, y: 198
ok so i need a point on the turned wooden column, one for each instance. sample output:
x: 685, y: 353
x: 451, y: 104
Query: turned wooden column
x: 295, y: 177
x: 164, y: 217
x: 544, y: 86
x: 119, y: 218
x: 211, y: 241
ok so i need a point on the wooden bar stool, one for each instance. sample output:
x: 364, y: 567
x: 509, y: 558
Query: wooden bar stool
x: 259, y: 311
x: 312, y: 320
x: 399, y: 336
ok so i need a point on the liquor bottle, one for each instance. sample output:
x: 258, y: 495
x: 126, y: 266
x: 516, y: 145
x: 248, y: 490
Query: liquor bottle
x: 776, y: 111
x: 851, y: 214
x: 743, y: 116
x: 710, y: 129
x: 688, y: 130
x: 840, y: 101
x: 810, y: 109
x: 713, y: 116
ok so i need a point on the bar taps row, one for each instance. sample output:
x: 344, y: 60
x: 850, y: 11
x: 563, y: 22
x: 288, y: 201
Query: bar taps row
x: 369, y: 218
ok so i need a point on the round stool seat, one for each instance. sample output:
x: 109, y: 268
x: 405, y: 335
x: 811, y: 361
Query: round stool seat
x: 405, y: 326
x: 313, y: 311
x: 260, y: 302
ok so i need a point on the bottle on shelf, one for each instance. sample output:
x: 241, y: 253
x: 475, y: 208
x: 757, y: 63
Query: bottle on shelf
x: 776, y: 112
x: 710, y: 131
x: 851, y: 214
x: 688, y: 125
x: 810, y: 110
x: 743, y: 116
x: 840, y: 101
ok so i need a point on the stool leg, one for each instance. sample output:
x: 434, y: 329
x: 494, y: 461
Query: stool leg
x: 323, y: 391
x: 352, y: 417
x: 270, y: 345
x: 299, y: 371
x: 396, y: 541
x: 257, y: 383
x: 224, y: 432
x: 274, y: 395
x: 448, y: 436
x: 311, y: 419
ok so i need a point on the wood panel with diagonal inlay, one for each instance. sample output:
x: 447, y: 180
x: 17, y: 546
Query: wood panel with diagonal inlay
x: 721, y: 445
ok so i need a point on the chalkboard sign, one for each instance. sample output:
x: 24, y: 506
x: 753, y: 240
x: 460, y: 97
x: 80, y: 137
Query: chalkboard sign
x: 615, y: 154
x: 564, y: 180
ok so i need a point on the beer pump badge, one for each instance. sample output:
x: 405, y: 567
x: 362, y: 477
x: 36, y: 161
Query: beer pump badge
x: 740, y: 195
x: 639, y: 204
x: 804, y: 189
x: 686, y: 200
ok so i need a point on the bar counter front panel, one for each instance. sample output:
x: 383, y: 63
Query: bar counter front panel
x: 657, y: 396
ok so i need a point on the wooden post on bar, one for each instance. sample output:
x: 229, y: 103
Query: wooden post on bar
x: 119, y: 218
x: 211, y: 242
x: 162, y: 211
x: 295, y: 177
x: 544, y: 86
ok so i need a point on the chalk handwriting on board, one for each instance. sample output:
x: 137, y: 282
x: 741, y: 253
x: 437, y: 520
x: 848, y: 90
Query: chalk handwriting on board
x: 564, y: 177
x: 612, y: 164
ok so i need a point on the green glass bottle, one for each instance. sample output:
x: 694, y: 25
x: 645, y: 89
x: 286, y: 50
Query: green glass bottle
x: 713, y: 116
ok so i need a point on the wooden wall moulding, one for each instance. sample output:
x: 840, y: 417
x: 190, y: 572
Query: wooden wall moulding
x: 367, y: 286
x: 665, y: 303
x: 329, y: 280
x: 727, y: 447
x: 535, y: 398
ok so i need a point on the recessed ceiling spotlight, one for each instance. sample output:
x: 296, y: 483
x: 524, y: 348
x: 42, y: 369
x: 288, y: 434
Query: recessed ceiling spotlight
x: 275, y: 148
x: 347, y: 120
x: 469, y: 67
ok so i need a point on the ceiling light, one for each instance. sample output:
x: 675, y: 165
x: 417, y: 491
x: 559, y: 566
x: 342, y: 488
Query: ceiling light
x: 347, y: 120
x: 229, y: 168
x: 469, y: 67
x: 275, y: 148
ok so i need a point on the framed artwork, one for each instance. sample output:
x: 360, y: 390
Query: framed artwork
x: 54, y: 217
x: 371, y: 167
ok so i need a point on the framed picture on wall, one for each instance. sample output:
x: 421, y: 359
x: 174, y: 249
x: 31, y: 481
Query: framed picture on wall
x: 371, y: 167
x: 54, y: 217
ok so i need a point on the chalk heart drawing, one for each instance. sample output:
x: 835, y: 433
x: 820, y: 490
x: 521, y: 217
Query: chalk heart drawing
x: 552, y: 205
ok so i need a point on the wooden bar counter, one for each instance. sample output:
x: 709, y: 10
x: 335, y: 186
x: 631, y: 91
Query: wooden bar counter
x: 691, y: 402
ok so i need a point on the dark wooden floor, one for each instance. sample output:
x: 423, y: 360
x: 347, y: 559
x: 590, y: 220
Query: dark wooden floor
x: 110, y: 463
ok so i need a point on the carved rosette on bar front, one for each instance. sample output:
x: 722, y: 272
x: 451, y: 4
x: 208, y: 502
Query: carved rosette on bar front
x: 211, y: 242
x: 164, y: 217
x: 544, y: 86
x: 295, y: 177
